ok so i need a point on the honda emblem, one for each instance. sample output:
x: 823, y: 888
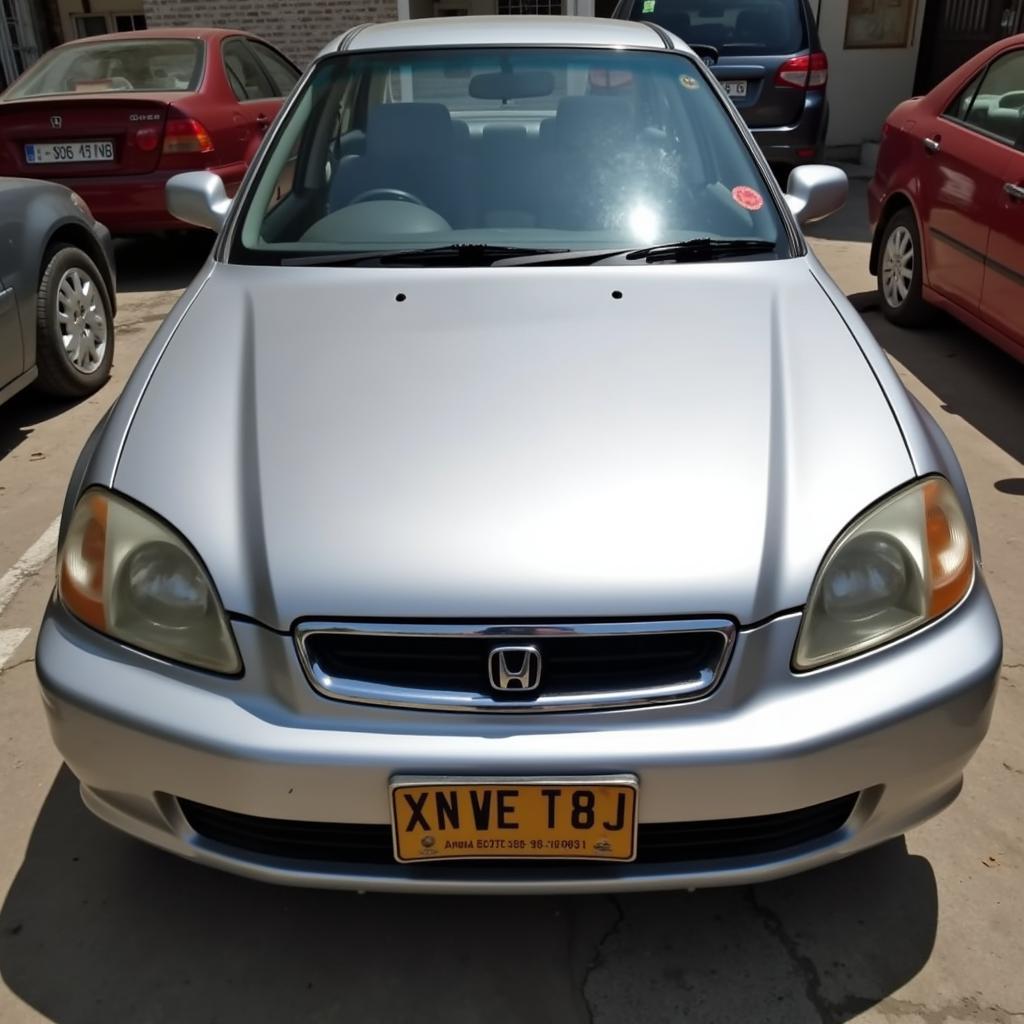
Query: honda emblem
x: 56, y: 121
x: 514, y: 668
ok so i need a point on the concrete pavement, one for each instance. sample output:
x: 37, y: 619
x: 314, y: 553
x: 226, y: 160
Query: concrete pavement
x: 97, y: 928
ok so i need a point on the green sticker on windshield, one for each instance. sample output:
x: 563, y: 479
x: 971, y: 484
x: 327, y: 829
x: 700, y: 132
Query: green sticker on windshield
x: 648, y: 6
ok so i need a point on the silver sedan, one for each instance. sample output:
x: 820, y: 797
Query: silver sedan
x: 513, y: 503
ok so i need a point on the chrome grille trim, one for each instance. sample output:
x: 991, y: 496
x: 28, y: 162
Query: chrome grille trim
x: 387, y: 695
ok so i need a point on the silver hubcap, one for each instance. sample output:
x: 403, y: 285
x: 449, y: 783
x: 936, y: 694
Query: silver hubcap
x: 82, y: 320
x: 897, y: 266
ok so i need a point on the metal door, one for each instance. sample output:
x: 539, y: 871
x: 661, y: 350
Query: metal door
x: 955, y: 30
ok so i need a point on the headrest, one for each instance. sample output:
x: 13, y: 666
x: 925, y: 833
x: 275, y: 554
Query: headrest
x: 504, y: 141
x: 402, y: 129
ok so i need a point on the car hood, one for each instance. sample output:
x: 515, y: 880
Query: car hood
x: 510, y: 443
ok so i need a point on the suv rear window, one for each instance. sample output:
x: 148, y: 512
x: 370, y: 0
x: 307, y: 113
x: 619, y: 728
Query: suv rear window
x: 736, y: 28
x: 155, y: 65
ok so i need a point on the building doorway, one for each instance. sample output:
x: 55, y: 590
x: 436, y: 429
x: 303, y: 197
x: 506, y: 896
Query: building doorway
x: 955, y: 30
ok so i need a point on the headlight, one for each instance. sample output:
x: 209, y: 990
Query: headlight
x: 128, y: 575
x: 902, y: 564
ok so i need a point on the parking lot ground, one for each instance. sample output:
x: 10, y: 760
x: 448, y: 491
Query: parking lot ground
x: 96, y: 928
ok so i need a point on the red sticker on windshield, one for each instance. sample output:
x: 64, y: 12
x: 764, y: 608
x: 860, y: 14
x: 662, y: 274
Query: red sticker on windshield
x: 747, y: 197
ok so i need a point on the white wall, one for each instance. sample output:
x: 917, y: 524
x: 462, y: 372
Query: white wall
x: 864, y: 85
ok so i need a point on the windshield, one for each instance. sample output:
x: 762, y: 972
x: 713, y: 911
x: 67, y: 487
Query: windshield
x: 736, y: 28
x: 160, y: 65
x: 542, y: 149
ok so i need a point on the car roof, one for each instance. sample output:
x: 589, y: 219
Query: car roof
x: 522, y: 30
x: 202, y: 34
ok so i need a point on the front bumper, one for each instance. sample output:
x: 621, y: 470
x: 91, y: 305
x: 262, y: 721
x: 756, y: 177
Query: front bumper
x: 896, y: 727
x: 105, y: 241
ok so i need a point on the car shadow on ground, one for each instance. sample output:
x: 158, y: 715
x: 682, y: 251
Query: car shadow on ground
x: 99, y: 928
x: 164, y: 262
x: 23, y: 413
x: 973, y: 378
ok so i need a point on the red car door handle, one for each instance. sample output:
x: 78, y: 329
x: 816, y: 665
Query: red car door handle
x: 1013, y: 190
x: 262, y: 122
x: 933, y: 145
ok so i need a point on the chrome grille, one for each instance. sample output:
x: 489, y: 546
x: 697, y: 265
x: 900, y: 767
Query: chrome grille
x: 444, y: 666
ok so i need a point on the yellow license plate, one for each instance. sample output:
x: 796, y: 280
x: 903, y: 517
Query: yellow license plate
x: 579, y: 819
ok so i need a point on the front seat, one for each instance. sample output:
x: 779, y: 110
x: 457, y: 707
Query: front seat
x: 411, y: 147
x: 586, y: 166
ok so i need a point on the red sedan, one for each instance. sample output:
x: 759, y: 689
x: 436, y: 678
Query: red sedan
x: 113, y: 117
x: 947, y: 200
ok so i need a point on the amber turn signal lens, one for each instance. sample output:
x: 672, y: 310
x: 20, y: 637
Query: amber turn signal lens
x: 83, y: 560
x: 950, y: 552
x: 130, y: 576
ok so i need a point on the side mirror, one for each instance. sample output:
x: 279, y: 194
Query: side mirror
x: 816, y: 190
x: 198, y: 197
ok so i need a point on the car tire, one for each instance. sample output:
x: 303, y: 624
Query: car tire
x: 900, y: 271
x: 74, y: 325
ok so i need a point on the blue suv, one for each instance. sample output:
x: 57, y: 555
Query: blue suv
x: 767, y: 55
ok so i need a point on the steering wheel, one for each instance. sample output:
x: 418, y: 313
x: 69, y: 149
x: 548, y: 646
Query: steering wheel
x: 386, y: 193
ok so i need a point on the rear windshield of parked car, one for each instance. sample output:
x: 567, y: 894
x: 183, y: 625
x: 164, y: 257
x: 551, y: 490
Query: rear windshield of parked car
x: 144, y: 65
x: 737, y: 28
x: 573, y: 149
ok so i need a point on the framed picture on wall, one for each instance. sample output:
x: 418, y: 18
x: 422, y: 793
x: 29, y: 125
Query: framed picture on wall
x: 878, y: 24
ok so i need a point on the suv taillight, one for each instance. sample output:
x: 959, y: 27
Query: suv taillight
x: 807, y: 72
x: 186, y: 135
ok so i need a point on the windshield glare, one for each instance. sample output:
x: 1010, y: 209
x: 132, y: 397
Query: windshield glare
x: 160, y: 65
x: 551, y: 149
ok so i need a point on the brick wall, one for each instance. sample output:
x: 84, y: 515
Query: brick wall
x: 299, y: 28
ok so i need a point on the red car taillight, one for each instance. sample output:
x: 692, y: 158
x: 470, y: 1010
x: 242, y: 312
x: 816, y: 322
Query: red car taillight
x: 147, y: 139
x: 807, y: 72
x: 186, y: 135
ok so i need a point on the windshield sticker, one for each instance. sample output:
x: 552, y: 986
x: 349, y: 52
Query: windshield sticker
x: 747, y: 197
x: 648, y: 7
x: 688, y: 82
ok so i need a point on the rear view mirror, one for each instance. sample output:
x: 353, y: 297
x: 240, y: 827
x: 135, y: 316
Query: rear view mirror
x: 198, y: 197
x: 511, y: 85
x: 816, y: 190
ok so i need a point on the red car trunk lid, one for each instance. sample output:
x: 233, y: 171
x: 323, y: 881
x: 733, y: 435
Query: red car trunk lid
x: 134, y: 125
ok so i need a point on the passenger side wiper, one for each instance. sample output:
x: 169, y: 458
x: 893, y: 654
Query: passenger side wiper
x: 693, y: 250
x: 696, y: 250
x: 460, y: 254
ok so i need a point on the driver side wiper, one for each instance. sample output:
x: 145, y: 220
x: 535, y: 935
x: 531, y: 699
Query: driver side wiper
x: 461, y: 254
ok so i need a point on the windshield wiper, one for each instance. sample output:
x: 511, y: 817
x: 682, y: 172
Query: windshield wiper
x: 693, y: 250
x: 696, y: 250
x: 482, y: 254
x: 460, y: 254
